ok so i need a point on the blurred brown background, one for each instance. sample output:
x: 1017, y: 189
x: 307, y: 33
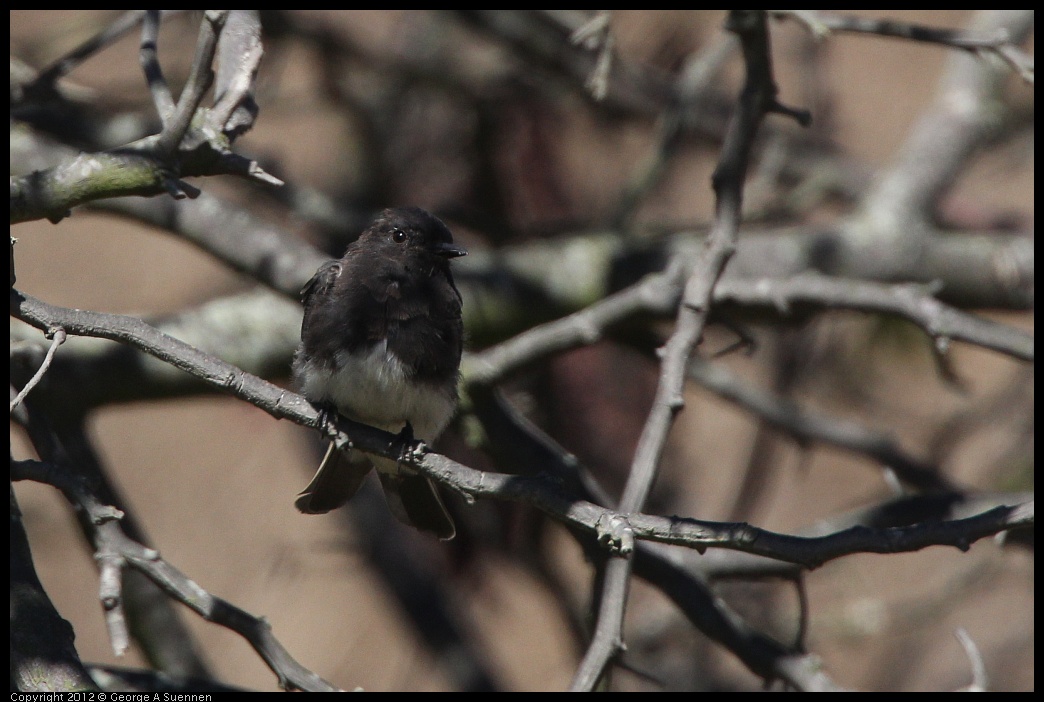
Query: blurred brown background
x: 213, y: 479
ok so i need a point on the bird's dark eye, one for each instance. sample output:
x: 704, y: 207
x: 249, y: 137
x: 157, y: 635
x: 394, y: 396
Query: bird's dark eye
x: 398, y: 236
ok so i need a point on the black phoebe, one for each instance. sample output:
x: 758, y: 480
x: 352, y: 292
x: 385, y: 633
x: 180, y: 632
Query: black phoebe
x: 380, y: 343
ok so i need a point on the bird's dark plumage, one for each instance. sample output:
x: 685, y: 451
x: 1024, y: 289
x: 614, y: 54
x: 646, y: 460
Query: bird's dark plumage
x: 381, y: 343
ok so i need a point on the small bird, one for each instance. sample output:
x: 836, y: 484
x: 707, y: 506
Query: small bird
x: 381, y: 343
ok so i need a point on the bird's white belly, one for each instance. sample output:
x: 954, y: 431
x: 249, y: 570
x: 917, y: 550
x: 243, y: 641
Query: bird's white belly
x: 373, y: 388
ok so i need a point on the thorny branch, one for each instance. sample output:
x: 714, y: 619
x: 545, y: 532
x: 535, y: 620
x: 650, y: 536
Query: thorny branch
x: 757, y: 99
x: 547, y: 495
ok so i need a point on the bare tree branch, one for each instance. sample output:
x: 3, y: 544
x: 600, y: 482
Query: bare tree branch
x: 977, y: 269
x: 121, y: 25
x: 148, y: 55
x: 283, y: 404
x: 200, y: 77
x: 757, y: 99
x: 155, y: 624
x: 116, y: 551
x: 966, y: 112
x: 134, y: 332
x: 239, y: 56
x: 913, y: 302
x: 833, y: 235
x: 998, y: 41
x: 150, y: 166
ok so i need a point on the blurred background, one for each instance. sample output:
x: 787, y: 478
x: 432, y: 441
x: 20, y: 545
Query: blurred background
x: 484, y: 119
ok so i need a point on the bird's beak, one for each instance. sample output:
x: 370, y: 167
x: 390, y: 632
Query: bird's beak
x: 449, y: 250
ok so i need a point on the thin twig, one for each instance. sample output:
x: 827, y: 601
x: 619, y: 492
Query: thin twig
x: 596, y: 35
x: 1018, y: 59
x: 136, y: 333
x: 807, y: 425
x: 691, y: 86
x: 148, y: 55
x: 980, y: 679
x: 911, y: 301
x: 997, y: 41
x: 657, y: 293
x: 121, y: 25
x: 57, y: 339
x: 199, y: 79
